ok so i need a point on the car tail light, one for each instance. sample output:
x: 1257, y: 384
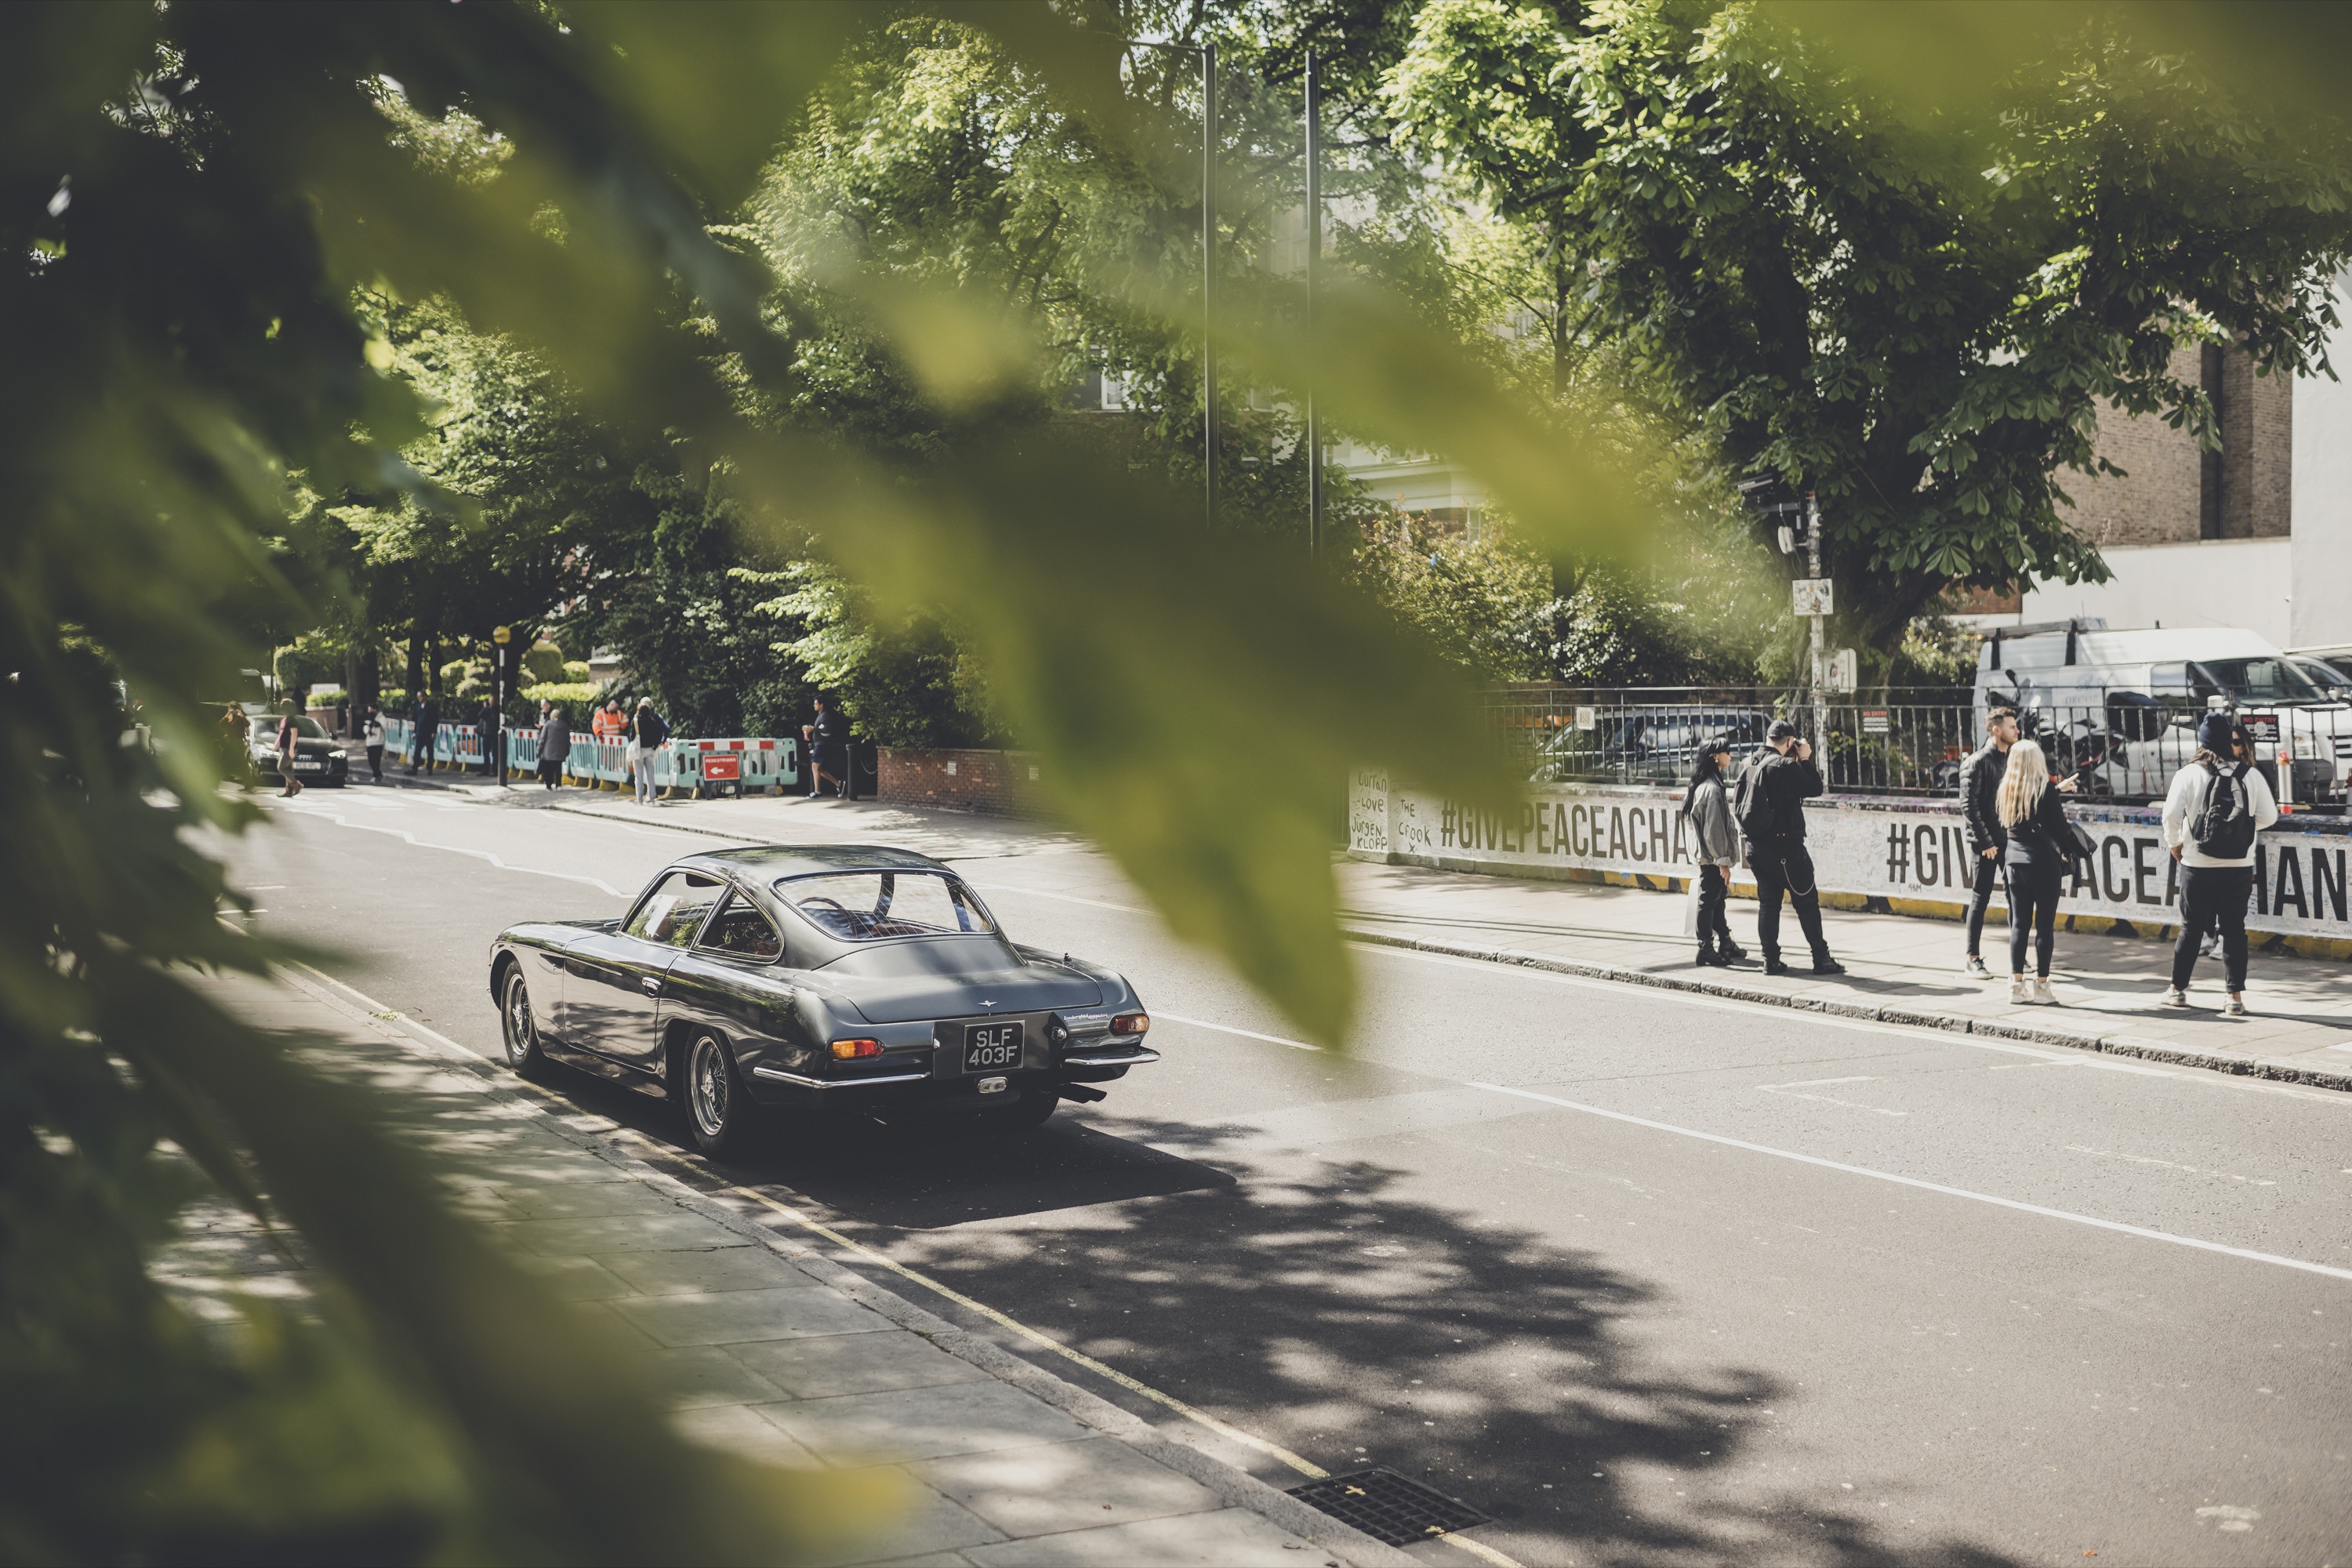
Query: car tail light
x: 1130, y: 1024
x: 850, y: 1050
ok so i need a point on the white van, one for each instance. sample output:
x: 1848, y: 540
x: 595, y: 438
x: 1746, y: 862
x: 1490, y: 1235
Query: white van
x: 2121, y: 708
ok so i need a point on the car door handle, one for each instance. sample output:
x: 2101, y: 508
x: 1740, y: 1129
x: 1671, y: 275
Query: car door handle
x: 650, y: 986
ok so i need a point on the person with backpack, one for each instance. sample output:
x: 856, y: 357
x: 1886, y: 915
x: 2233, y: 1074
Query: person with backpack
x: 2038, y: 850
x: 1769, y: 806
x: 1714, y: 844
x: 2215, y: 807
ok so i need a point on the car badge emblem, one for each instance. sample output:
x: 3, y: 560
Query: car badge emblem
x: 988, y: 1004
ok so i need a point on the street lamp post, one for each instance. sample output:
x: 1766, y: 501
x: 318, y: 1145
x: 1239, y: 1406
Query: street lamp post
x: 1314, y: 434
x: 1209, y: 278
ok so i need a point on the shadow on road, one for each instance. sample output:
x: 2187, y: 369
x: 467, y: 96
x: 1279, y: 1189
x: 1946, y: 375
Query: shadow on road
x: 1309, y: 1302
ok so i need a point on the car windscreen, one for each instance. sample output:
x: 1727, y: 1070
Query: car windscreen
x: 2325, y: 676
x: 867, y: 905
x: 2263, y: 680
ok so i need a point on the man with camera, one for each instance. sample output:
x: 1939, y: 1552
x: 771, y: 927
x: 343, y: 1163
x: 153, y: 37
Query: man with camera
x: 1770, y: 806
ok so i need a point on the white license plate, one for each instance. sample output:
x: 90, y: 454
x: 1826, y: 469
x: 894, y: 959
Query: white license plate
x: 991, y: 1047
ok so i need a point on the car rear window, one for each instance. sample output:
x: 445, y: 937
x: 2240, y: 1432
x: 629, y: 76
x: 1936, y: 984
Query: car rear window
x: 867, y: 905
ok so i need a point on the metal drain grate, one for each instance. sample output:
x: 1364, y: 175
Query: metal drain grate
x: 1394, y: 1509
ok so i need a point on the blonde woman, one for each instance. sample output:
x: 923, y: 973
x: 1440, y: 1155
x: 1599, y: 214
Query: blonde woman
x: 2034, y: 864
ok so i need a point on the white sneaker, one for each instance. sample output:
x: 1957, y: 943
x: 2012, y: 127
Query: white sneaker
x: 2235, y: 1007
x: 2174, y: 996
x: 1974, y: 969
x: 2020, y: 993
x: 2042, y: 991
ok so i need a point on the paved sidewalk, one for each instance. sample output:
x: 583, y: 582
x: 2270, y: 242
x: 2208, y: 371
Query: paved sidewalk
x: 1902, y: 968
x: 773, y: 1352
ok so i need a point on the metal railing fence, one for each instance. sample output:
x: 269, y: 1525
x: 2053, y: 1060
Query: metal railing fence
x: 2118, y: 744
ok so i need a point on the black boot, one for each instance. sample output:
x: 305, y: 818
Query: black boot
x: 1773, y: 964
x: 1825, y: 964
x: 1707, y: 957
x: 1727, y: 952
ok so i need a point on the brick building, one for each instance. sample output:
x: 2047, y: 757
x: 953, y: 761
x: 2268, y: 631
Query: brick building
x: 2256, y: 535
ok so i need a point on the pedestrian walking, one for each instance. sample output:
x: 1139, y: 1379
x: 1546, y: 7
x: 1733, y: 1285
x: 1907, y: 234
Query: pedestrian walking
x: 235, y: 743
x: 554, y: 745
x: 828, y: 736
x: 424, y: 723
x: 289, y: 732
x: 1715, y: 846
x: 371, y: 736
x: 343, y: 715
x: 1980, y: 776
x: 487, y: 728
x: 2038, y: 851
x: 1769, y: 808
x: 647, y: 730
x: 2212, y: 812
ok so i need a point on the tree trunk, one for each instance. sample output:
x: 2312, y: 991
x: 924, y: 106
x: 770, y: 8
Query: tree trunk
x: 416, y: 664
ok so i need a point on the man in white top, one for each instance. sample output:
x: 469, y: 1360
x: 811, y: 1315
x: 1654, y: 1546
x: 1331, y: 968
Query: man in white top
x: 2216, y: 805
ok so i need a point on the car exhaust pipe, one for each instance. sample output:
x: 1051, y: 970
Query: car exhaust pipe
x: 1085, y: 1093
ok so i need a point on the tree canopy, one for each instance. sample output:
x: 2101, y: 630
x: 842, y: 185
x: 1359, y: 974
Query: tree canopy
x: 1923, y: 324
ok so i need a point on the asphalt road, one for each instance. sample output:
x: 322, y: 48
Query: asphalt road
x: 1650, y: 1279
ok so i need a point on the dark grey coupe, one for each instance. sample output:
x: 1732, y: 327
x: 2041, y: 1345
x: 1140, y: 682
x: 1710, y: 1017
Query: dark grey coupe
x: 748, y: 983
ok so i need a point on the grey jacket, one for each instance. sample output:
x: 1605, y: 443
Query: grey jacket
x: 555, y: 738
x: 1714, y: 838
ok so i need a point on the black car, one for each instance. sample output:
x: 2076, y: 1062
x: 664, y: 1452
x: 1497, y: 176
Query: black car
x: 318, y: 757
x: 754, y: 985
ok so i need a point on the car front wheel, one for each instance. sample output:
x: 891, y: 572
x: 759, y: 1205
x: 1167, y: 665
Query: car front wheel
x: 722, y: 1116
x: 521, y: 1028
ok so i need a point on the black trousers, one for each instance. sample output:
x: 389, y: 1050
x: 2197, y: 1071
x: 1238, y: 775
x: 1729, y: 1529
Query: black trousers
x: 550, y: 771
x: 2034, y: 913
x: 1786, y: 868
x: 375, y: 761
x: 2214, y: 896
x: 1714, y: 890
x: 1986, y: 875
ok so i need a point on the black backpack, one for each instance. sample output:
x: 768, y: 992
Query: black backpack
x: 2224, y: 827
x: 1751, y: 807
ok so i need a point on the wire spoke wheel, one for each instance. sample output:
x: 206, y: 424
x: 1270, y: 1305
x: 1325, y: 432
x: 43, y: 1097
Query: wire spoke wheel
x: 521, y: 1030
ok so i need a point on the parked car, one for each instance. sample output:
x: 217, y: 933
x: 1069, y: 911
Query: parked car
x: 1643, y: 745
x: 318, y: 757
x: 749, y: 986
x: 2122, y: 707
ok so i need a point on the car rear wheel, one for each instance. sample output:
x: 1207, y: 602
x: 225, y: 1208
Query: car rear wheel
x: 521, y: 1028
x: 719, y: 1111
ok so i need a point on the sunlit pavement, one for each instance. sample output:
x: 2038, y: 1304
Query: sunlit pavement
x: 1647, y: 1277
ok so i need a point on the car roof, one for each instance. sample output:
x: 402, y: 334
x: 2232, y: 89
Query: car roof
x: 770, y: 861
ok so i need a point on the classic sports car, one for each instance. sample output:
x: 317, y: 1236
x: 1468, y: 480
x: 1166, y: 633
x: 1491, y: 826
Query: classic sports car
x: 750, y: 983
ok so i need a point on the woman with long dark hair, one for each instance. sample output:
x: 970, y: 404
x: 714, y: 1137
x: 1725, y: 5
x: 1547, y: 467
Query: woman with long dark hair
x: 1715, y: 846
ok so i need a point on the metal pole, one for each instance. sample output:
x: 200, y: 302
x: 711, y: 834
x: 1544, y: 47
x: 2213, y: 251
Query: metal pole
x: 1209, y: 277
x: 1314, y: 264
x: 1820, y: 673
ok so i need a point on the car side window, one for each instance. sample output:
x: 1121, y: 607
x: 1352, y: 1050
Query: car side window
x: 742, y: 931
x: 673, y: 913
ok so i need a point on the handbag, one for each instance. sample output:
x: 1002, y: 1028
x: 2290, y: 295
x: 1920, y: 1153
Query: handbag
x: 2080, y: 843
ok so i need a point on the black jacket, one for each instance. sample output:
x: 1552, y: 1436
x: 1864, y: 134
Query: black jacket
x: 1981, y: 775
x: 1787, y: 783
x: 2044, y: 838
x: 646, y: 728
x: 829, y: 727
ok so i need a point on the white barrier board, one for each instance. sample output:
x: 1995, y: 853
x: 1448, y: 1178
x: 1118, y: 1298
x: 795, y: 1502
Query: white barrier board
x: 1895, y: 852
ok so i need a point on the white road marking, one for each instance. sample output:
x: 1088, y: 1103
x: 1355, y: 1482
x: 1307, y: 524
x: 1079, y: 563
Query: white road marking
x: 343, y: 821
x: 2143, y: 1232
x: 1229, y: 1029
x: 1790, y: 1091
x: 2168, y: 1165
